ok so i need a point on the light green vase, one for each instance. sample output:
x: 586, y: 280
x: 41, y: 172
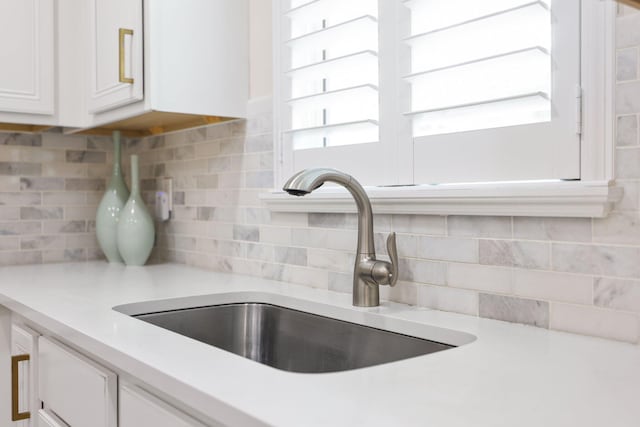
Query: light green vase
x: 110, y: 206
x: 135, y: 228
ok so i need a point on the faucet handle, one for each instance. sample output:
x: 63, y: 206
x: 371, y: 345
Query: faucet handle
x: 392, y: 250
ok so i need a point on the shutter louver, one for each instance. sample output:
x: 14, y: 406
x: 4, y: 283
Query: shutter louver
x: 333, y: 73
x: 478, y: 65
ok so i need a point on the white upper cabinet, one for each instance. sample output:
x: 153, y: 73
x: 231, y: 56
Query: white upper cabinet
x: 27, y: 56
x: 190, y: 56
x: 115, y: 54
x: 140, y: 66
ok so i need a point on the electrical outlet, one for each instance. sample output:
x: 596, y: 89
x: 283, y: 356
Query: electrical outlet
x: 164, y: 200
x: 166, y: 185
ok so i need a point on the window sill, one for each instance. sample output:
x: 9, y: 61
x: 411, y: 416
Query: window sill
x: 551, y: 199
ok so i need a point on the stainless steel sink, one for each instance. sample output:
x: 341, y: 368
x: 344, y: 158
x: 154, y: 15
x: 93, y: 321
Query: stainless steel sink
x: 289, y: 339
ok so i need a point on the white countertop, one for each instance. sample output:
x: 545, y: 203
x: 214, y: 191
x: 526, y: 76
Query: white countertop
x: 511, y: 375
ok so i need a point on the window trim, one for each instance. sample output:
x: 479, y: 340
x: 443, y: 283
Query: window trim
x: 592, y: 196
x: 551, y: 199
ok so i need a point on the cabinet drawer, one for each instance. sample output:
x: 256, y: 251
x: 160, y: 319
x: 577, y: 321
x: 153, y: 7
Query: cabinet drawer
x: 78, y: 390
x: 139, y: 408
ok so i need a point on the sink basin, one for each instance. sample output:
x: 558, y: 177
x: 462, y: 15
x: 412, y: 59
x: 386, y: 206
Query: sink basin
x: 289, y: 339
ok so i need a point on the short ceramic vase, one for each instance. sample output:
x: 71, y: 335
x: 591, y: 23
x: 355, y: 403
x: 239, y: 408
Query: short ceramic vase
x: 110, y: 206
x: 135, y: 228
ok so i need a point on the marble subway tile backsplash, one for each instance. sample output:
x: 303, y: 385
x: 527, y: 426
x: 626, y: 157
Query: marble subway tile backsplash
x: 512, y: 253
x: 50, y: 186
x: 511, y: 309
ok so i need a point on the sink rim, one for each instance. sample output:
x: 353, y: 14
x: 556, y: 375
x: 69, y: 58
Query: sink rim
x: 375, y: 317
x: 255, y: 321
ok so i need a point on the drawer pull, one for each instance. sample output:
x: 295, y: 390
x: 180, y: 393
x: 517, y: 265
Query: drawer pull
x: 121, y: 33
x: 16, y: 415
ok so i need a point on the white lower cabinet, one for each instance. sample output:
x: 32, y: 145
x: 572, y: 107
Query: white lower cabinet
x: 24, y: 372
x: 79, y: 391
x: 59, y: 387
x: 139, y: 408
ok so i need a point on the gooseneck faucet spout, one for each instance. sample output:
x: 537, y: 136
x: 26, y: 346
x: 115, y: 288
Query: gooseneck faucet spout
x: 369, y: 272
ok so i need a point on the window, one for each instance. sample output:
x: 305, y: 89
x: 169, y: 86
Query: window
x: 494, y: 89
x: 330, y: 79
x: 419, y: 92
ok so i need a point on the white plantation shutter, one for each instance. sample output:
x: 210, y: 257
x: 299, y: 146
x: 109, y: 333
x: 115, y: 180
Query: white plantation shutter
x: 493, y: 89
x: 403, y: 92
x: 329, y: 63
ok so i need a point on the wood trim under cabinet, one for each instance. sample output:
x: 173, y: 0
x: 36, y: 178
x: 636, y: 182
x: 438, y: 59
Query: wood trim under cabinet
x: 154, y: 123
x: 22, y: 128
x: 632, y: 3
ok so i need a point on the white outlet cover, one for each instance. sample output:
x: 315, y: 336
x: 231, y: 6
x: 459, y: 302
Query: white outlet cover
x: 162, y: 211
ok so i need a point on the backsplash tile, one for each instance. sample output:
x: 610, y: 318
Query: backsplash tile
x: 617, y: 294
x: 514, y: 253
x: 627, y: 25
x: 560, y: 229
x: 628, y: 97
x: 447, y: 249
x: 617, y: 228
x: 516, y: 310
x: 480, y: 277
x: 448, y: 299
x: 20, y: 168
x: 25, y: 140
x: 330, y: 260
x: 618, y: 261
x: 423, y: 271
x: 419, y: 224
x: 595, y: 321
x: 49, y: 190
x: 627, y: 134
x: 627, y: 64
x: 20, y: 258
x: 478, y: 226
x: 551, y: 286
x: 288, y: 255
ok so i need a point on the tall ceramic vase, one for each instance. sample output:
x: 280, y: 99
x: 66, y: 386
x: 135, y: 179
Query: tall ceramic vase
x: 110, y: 206
x: 135, y: 227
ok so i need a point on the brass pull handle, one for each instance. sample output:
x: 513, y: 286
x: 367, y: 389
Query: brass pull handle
x: 121, y: 33
x: 16, y: 415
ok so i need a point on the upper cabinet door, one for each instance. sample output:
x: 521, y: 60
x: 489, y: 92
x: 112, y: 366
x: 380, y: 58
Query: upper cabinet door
x: 26, y: 54
x: 115, y: 53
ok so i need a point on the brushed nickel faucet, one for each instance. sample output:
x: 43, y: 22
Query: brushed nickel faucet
x: 369, y: 273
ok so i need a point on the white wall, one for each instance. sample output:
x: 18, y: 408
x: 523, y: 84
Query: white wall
x: 260, y: 46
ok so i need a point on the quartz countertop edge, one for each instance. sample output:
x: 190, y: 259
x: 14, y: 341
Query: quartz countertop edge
x: 508, y: 375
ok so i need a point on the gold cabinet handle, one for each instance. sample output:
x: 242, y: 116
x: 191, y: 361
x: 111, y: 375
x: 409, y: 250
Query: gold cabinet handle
x: 121, y: 33
x: 16, y: 415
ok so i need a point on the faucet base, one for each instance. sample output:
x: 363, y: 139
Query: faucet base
x: 365, y: 294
